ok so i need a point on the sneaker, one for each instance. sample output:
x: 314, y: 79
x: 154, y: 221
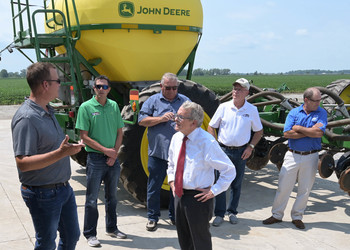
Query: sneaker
x: 93, y: 241
x: 233, y: 218
x: 151, y: 225
x: 117, y: 234
x: 217, y: 221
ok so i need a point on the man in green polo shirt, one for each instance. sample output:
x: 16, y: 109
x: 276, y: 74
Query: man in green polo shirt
x: 100, y: 125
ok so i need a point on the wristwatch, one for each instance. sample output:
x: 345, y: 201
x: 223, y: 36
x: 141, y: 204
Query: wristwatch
x: 251, y: 145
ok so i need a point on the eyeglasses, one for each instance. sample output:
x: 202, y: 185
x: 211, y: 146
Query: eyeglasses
x: 58, y: 81
x: 314, y: 100
x: 105, y: 87
x: 169, y: 88
x: 239, y: 90
x: 180, y: 117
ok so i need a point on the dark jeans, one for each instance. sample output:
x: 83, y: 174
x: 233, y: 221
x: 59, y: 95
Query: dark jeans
x: 53, y: 209
x: 157, y: 172
x: 97, y: 171
x: 192, y: 221
x: 220, y: 200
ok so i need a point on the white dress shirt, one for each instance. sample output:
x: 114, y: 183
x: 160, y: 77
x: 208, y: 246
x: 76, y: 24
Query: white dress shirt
x: 203, y: 155
x: 234, y: 124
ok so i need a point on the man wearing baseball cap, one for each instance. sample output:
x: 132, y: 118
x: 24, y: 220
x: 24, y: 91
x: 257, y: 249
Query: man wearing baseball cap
x: 235, y: 120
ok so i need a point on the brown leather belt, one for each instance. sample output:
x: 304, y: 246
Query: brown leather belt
x: 57, y: 185
x: 303, y: 152
x: 231, y: 147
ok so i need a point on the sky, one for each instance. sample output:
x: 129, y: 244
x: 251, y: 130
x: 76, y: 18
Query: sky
x: 248, y: 36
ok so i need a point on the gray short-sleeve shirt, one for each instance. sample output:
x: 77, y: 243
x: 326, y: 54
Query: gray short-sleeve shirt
x: 35, y: 131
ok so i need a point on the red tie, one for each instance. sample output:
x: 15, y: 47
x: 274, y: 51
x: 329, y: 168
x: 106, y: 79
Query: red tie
x: 180, y: 168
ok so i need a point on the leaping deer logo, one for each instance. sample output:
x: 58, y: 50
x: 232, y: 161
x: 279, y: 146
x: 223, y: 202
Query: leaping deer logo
x: 126, y: 9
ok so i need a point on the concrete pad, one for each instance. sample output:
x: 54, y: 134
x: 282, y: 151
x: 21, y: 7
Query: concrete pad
x: 327, y: 217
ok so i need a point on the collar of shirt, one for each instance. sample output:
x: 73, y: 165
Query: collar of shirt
x: 301, y: 109
x: 96, y: 103
x: 192, y: 135
x: 244, y: 107
x: 163, y: 98
x: 37, y: 108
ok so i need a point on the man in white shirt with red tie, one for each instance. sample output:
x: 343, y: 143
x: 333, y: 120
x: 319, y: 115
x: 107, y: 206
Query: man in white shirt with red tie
x: 193, y: 156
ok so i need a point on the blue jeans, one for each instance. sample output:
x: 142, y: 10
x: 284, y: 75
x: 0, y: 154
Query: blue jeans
x: 97, y: 171
x: 157, y: 172
x: 235, y: 156
x: 53, y: 209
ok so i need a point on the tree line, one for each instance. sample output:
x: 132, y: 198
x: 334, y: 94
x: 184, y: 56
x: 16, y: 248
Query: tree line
x: 216, y: 71
x: 5, y: 74
x: 209, y: 72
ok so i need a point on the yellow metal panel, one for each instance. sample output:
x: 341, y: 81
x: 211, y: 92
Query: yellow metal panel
x: 132, y: 54
x: 167, y: 12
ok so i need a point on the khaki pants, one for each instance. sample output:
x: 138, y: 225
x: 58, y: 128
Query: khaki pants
x: 296, y: 167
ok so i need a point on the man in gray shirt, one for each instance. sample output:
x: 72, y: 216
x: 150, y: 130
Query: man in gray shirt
x: 42, y: 156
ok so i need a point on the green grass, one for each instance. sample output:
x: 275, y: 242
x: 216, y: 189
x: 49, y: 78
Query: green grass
x: 296, y: 83
x: 13, y: 90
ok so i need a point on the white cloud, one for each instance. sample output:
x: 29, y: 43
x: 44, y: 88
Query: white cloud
x: 270, y: 35
x: 301, y: 32
x: 270, y: 3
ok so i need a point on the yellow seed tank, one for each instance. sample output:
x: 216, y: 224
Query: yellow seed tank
x: 136, y: 40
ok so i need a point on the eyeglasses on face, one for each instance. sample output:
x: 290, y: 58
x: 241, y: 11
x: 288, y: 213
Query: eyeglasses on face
x: 105, y: 87
x: 169, y: 88
x: 239, y: 90
x: 181, y: 117
x: 314, y: 100
x: 58, y: 81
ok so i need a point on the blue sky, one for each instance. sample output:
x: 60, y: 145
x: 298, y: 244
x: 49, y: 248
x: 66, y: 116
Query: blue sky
x: 248, y: 36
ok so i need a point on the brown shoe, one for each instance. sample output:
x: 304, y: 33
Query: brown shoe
x: 271, y: 220
x: 299, y: 224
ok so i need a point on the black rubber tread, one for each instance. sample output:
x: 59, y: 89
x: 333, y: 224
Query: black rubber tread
x: 342, y: 164
x: 337, y: 87
x: 132, y: 174
x: 80, y: 157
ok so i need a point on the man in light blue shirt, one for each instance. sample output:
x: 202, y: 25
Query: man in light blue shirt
x: 157, y: 113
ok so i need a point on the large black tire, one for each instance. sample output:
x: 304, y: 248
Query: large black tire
x: 340, y: 88
x: 133, y: 175
x: 80, y: 157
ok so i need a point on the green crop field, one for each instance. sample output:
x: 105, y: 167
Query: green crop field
x: 13, y: 91
x: 296, y: 83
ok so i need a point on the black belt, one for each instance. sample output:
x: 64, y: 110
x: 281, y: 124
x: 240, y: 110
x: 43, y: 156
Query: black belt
x: 303, y: 152
x: 57, y: 185
x: 231, y: 147
x: 191, y: 191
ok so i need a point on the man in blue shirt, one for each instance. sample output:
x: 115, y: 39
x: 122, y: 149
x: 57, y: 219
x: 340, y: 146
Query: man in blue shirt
x: 157, y: 113
x: 304, y: 127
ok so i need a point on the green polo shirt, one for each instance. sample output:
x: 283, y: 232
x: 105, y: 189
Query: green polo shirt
x: 101, y: 122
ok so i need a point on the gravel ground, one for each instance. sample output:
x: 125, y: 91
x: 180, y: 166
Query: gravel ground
x: 7, y: 111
